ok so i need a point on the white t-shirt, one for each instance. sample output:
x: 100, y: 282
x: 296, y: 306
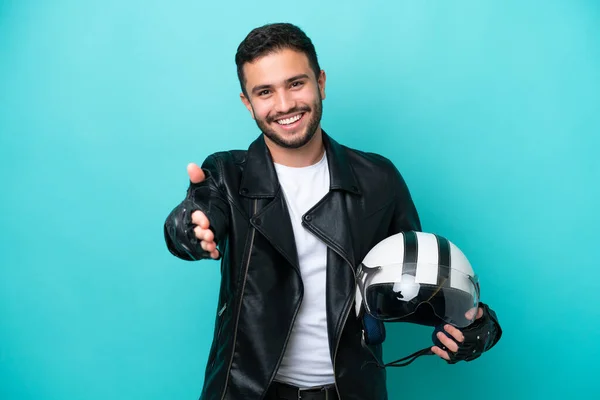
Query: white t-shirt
x: 307, y: 361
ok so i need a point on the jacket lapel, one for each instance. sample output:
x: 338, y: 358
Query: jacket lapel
x: 273, y: 222
x: 259, y: 180
x: 328, y: 219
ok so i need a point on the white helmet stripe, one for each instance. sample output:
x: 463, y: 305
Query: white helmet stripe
x: 458, y: 258
x: 427, y: 261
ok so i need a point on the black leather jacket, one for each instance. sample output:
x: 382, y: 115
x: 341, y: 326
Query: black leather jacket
x: 261, y: 288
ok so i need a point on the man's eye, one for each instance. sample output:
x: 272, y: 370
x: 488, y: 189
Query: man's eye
x: 297, y: 84
x: 263, y: 92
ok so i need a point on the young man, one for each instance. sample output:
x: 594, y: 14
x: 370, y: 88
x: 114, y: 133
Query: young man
x: 290, y: 219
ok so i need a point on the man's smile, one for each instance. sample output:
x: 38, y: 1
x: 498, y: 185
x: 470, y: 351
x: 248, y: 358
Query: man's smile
x: 290, y: 122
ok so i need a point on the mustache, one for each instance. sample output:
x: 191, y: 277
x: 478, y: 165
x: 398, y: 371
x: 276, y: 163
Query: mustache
x: 292, y: 111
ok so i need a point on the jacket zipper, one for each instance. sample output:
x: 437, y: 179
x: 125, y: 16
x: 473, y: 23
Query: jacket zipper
x: 337, y: 343
x: 219, y: 330
x: 237, y: 318
x: 285, y: 343
x: 347, y: 311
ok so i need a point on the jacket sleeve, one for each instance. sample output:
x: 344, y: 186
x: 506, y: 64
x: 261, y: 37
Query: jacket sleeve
x: 405, y: 216
x: 207, y: 197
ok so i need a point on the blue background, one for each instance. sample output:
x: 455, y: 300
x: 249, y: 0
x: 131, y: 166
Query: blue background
x: 489, y: 109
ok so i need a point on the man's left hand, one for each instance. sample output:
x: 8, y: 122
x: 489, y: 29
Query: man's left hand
x: 449, y: 343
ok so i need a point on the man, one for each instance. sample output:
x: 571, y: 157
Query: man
x: 290, y: 219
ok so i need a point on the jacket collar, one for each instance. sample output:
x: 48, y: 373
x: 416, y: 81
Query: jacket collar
x: 259, y: 178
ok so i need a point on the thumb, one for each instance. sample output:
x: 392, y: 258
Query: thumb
x: 195, y: 173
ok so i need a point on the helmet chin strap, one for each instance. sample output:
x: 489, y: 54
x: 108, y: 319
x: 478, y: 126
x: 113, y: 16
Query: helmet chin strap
x: 374, y: 333
x: 402, y: 362
x: 479, y: 337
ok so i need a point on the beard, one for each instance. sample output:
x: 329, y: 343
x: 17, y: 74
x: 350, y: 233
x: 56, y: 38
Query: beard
x: 299, y: 139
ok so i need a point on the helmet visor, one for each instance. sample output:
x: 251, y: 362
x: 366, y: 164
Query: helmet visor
x: 392, y: 293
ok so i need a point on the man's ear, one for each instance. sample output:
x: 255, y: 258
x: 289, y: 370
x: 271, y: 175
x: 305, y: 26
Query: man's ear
x: 247, y: 104
x: 321, y: 82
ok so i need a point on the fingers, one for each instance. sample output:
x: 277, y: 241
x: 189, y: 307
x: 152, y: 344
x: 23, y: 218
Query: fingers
x: 208, y: 245
x: 204, y: 234
x: 446, y: 341
x: 450, y: 344
x: 200, y: 219
x: 456, y: 334
x: 195, y: 173
x: 444, y: 354
x: 469, y: 314
x: 207, y: 239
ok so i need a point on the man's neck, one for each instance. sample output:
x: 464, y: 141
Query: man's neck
x: 304, y: 156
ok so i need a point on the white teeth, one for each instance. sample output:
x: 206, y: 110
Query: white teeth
x: 288, y: 121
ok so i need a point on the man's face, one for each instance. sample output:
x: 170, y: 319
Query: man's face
x: 284, y: 97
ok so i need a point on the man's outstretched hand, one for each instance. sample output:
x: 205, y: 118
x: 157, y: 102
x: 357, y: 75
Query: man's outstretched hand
x: 202, y: 231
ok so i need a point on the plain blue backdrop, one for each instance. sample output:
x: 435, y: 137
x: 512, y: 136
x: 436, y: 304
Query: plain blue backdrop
x: 489, y: 110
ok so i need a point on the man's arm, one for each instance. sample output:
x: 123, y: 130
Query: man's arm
x: 200, y: 222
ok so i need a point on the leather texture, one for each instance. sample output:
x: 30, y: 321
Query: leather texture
x: 261, y: 288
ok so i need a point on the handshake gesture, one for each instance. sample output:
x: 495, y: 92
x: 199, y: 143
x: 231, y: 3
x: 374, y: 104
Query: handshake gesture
x: 199, y: 219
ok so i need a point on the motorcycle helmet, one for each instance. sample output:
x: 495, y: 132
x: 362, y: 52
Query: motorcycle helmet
x: 409, y: 270
x: 414, y: 277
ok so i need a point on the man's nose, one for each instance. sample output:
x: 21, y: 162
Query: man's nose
x: 284, y: 102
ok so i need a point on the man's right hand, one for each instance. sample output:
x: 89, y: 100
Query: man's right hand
x: 202, y: 231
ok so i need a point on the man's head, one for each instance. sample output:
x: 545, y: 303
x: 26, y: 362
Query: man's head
x: 282, y: 83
